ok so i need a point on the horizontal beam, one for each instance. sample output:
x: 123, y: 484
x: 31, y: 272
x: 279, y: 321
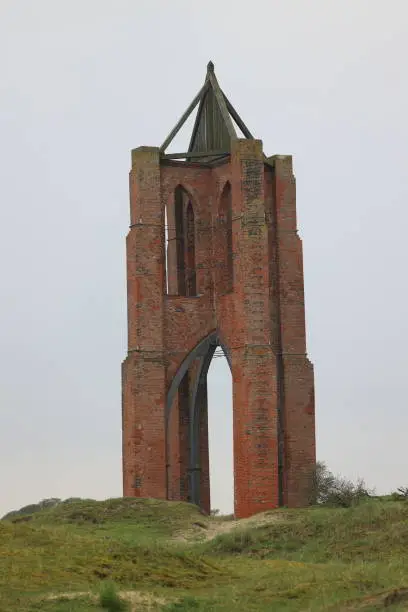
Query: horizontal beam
x: 191, y: 154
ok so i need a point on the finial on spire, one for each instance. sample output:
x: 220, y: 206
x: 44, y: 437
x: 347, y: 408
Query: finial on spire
x: 210, y: 67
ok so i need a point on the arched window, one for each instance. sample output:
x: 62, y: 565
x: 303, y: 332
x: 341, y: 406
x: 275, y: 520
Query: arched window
x: 167, y: 250
x: 184, y: 243
x: 224, y: 242
x: 191, y: 288
x: 180, y: 246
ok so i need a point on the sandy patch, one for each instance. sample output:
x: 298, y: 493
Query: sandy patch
x: 210, y: 528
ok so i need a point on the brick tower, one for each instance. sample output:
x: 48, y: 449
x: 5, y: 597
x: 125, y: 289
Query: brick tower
x: 231, y: 276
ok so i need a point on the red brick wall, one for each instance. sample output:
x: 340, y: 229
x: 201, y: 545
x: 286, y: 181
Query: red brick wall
x: 259, y: 318
x: 144, y: 372
x: 298, y: 377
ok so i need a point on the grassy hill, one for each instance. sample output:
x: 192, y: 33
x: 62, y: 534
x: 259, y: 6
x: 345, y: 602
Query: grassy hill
x: 168, y: 556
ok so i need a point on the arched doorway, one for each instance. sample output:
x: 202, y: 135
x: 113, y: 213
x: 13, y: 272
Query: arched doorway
x: 187, y: 436
x: 220, y: 433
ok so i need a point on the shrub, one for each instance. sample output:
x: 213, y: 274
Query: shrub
x: 401, y: 494
x: 110, y: 600
x: 224, y: 517
x: 33, y: 508
x: 331, y: 490
x: 227, y: 517
x: 235, y: 542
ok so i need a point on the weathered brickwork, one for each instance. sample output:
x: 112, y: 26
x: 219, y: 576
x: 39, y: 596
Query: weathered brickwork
x: 234, y: 278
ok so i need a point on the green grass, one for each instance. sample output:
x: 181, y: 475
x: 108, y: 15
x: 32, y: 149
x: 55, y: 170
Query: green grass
x: 319, y: 535
x: 122, y: 518
x: 315, y: 559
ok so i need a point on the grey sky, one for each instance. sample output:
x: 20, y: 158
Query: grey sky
x: 83, y: 82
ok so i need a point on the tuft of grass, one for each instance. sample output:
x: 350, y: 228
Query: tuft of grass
x: 110, y: 600
x: 235, y: 542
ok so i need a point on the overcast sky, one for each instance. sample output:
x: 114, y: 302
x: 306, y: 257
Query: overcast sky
x: 83, y: 82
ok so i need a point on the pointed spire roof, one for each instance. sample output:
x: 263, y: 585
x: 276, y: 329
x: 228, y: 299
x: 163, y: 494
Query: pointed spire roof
x: 214, y: 128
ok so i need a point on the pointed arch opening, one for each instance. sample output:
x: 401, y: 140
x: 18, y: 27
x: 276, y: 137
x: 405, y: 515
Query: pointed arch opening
x: 180, y: 224
x: 180, y: 242
x: 220, y: 434
x: 199, y: 431
x: 191, y: 287
x: 166, y: 249
x: 224, y: 244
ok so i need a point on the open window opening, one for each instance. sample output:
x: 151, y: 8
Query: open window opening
x: 180, y: 237
x: 166, y: 248
x: 224, y: 244
x: 191, y: 288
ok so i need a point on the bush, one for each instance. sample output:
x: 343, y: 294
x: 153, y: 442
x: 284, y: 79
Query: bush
x: 401, y: 494
x: 32, y: 508
x: 331, y: 490
x: 224, y: 517
x: 110, y: 600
